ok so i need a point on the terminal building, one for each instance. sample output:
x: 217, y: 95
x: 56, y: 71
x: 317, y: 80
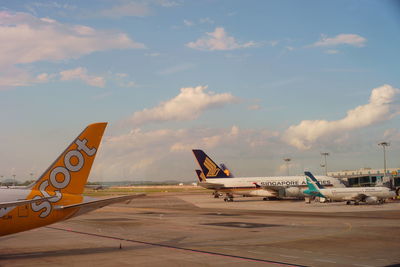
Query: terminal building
x: 369, y: 177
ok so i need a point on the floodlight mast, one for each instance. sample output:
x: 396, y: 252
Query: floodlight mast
x: 287, y: 160
x: 384, y: 145
x: 325, y: 162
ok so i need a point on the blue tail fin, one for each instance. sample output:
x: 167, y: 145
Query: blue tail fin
x: 226, y: 170
x: 309, y: 174
x: 313, y: 186
x: 208, y: 166
x: 201, y: 176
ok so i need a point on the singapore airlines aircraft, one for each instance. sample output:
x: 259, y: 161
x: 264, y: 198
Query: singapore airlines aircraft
x: 57, y: 194
x: 370, y: 195
x: 220, y: 179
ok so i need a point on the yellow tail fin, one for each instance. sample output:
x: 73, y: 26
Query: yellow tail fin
x: 69, y: 173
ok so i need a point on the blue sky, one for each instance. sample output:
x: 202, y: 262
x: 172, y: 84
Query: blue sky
x: 250, y: 82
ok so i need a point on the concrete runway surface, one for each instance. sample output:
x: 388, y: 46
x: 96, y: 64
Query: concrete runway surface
x: 181, y: 229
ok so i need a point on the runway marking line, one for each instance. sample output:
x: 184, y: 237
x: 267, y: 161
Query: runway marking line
x: 178, y: 248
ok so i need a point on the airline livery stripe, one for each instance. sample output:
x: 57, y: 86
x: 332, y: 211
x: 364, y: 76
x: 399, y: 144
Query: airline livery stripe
x: 212, y: 169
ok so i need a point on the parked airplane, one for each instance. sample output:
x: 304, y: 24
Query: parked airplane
x: 370, y: 195
x: 97, y: 186
x: 57, y: 194
x: 220, y: 180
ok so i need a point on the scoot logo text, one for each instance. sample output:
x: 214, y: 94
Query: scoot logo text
x: 64, y: 172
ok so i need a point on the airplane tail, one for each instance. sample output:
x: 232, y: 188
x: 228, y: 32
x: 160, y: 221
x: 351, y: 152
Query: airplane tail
x: 208, y: 166
x: 201, y: 176
x: 69, y: 172
x: 311, y: 176
x: 313, y: 186
x: 226, y: 170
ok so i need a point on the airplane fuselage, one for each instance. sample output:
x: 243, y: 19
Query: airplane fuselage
x: 266, y: 186
x: 33, y: 215
x: 341, y: 194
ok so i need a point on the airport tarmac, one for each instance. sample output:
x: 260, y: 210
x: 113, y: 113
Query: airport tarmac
x: 181, y: 229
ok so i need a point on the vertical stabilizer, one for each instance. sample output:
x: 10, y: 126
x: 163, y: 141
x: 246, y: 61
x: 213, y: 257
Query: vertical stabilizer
x: 70, y: 171
x: 201, y: 176
x: 208, y: 166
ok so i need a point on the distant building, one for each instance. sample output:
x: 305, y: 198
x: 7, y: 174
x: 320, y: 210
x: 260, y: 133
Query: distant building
x: 365, y: 171
x: 369, y: 177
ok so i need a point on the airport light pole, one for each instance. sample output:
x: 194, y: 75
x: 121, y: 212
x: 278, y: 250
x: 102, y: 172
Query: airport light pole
x: 384, y: 145
x: 325, y: 162
x: 14, y: 179
x: 287, y: 160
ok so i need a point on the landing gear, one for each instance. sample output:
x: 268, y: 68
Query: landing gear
x: 216, y: 194
x: 228, y: 198
x: 348, y: 202
x: 265, y: 198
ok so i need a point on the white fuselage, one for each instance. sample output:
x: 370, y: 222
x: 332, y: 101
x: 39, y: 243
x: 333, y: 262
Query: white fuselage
x: 357, y: 193
x: 270, y: 185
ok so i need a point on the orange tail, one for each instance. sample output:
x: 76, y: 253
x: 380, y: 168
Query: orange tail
x: 69, y: 173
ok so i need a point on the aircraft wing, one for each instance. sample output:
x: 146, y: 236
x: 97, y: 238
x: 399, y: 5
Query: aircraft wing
x: 99, y: 203
x: 211, y: 185
x: 21, y: 202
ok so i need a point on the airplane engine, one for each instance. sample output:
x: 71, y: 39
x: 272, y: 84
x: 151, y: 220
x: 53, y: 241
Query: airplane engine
x: 262, y: 193
x: 293, y: 192
x: 371, y: 200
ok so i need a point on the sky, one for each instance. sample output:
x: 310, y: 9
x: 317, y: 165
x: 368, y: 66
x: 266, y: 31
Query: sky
x: 250, y: 82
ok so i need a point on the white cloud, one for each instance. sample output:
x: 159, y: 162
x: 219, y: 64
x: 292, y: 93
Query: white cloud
x: 165, y: 153
x: 81, y: 74
x: 26, y: 39
x: 209, y: 141
x: 391, y: 135
x: 383, y: 105
x: 341, y: 39
x: 43, y: 77
x: 218, y: 40
x: 187, y: 105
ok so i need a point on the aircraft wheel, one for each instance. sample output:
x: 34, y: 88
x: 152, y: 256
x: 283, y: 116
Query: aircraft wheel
x: 265, y: 198
x: 348, y: 202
